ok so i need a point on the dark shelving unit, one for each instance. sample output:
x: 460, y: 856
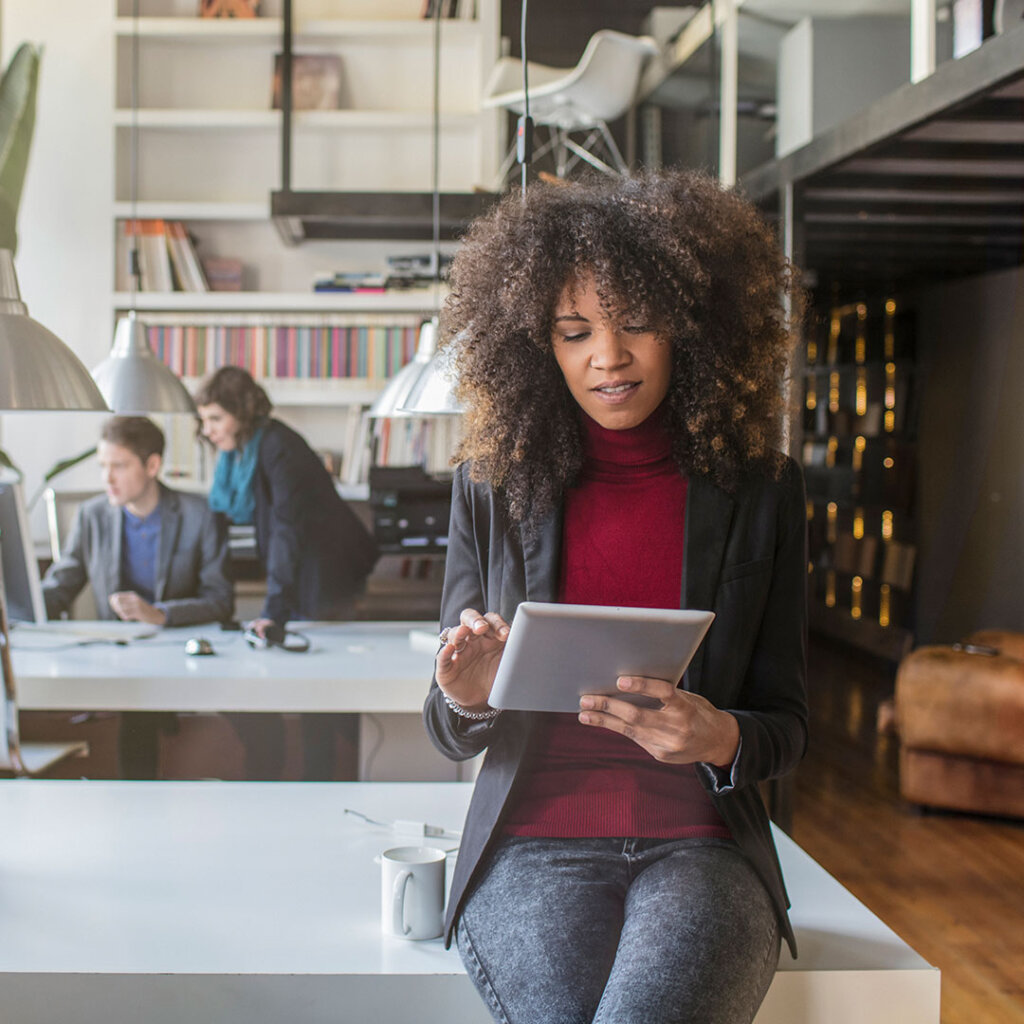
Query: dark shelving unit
x: 925, y: 185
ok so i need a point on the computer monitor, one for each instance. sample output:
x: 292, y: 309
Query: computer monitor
x: 21, y: 571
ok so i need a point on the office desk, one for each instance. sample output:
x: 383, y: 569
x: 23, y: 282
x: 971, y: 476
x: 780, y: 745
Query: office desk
x: 350, y: 667
x: 259, y: 902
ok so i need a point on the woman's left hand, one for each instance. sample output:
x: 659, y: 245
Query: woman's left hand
x: 686, y: 728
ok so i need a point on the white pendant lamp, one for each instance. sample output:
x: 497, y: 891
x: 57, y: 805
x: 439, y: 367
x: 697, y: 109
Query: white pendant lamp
x: 133, y: 381
x: 37, y: 370
x: 433, y: 391
x: 391, y: 401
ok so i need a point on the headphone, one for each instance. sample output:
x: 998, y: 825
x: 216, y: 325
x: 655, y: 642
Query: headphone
x: 278, y: 636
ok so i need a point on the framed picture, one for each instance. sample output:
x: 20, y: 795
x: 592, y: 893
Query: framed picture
x: 229, y: 8
x: 316, y: 81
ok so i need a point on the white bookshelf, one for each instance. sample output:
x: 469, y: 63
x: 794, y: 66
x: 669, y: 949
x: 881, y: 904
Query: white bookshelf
x: 209, y: 156
x: 207, y: 133
x: 418, y: 301
x: 217, y: 30
x: 198, y: 210
x: 270, y: 120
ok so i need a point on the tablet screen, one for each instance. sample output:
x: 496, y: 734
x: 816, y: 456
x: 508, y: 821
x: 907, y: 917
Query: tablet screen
x: 557, y: 652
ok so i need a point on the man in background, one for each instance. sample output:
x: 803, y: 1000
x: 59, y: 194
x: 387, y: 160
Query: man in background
x: 151, y: 554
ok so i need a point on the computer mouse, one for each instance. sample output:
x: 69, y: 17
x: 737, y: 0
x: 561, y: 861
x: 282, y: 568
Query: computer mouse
x: 198, y: 645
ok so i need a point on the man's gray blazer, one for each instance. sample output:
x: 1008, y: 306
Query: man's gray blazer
x: 192, y: 584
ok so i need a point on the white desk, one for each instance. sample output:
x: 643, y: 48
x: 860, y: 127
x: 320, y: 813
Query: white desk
x: 350, y: 667
x: 258, y: 902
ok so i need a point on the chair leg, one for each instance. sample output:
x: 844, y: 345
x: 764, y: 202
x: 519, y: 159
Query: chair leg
x: 568, y: 153
x: 612, y: 148
x: 586, y: 151
x: 505, y: 170
x: 562, y: 152
x: 595, y: 161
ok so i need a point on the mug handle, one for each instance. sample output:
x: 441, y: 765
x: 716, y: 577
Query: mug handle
x: 398, y: 925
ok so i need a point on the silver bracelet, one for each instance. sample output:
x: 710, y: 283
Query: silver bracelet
x: 477, y: 716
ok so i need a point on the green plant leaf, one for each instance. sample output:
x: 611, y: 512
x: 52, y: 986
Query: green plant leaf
x: 18, y: 88
x: 64, y: 464
x: 8, y: 222
x: 55, y: 471
x: 7, y: 462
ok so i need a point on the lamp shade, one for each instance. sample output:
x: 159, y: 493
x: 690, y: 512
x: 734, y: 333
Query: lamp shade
x: 133, y: 381
x: 37, y: 370
x: 392, y: 399
x: 433, y: 391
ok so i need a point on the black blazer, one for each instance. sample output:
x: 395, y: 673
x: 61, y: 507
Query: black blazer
x: 316, y: 551
x: 745, y: 559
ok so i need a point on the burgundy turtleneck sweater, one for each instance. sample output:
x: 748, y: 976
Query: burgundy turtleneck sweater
x: 622, y: 544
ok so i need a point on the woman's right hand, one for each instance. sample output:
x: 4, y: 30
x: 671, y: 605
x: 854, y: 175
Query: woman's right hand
x: 466, y: 665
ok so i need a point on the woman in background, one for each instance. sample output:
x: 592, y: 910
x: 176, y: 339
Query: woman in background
x: 316, y: 552
x: 620, y: 347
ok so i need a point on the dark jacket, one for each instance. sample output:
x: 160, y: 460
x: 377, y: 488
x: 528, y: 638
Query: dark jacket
x: 191, y: 583
x: 316, y: 551
x: 745, y: 559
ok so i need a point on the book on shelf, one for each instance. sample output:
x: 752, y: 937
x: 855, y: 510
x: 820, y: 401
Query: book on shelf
x: 464, y: 9
x: 123, y: 272
x: 188, y: 271
x: 898, y: 564
x: 356, y: 458
x: 223, y: 274
x: 154, y: 258
x: 229, y: 8
x: 316, y: 81
x: 364, y: 283
x: 352, y: 437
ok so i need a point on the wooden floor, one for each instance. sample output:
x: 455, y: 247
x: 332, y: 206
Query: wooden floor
x: 950, y: 885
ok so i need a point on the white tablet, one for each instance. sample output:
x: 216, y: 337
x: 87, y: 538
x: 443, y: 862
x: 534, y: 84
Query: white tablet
x: 556, y: 652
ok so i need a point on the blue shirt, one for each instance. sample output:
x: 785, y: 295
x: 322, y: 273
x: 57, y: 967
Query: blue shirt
x: 140, y: 548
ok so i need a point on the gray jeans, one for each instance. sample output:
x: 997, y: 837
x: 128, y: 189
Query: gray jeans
x: 635, y: 931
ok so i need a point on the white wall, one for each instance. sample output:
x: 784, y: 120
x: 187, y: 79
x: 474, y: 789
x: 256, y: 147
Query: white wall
x: 65, y: 251
x: 832, y: 68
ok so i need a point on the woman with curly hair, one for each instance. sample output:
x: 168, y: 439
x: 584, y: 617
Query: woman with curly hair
x: 620, y: 347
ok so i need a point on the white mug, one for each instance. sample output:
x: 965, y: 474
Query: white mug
x: 412, y: 892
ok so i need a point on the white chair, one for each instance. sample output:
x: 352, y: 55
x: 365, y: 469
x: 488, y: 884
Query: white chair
x: 579, y: 100
x: 61, y: 507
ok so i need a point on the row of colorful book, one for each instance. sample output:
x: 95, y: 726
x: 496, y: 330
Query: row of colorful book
x: 372, y: 352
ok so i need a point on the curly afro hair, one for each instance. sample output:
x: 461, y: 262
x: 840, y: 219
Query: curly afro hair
x: 694, y: 260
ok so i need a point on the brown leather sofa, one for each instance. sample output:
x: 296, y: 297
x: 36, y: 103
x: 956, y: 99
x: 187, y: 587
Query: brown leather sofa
x: 960, y: 716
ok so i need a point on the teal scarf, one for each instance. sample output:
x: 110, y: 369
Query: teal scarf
x: 231, y: 491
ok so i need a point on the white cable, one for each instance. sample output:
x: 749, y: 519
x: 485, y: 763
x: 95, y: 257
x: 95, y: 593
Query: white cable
x: 408, y: 827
